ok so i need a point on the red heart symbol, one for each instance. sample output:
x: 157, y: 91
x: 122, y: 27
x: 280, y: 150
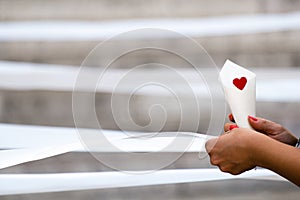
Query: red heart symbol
x: 240, y: 83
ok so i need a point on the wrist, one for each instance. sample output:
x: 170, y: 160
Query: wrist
x: 259, y: 146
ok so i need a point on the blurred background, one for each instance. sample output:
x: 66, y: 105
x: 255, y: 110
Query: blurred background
x: 43, y: 44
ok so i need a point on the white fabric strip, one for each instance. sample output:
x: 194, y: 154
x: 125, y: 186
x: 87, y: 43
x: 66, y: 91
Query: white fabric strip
x: 30, y: 137
x: 15, y: 136
x: 10, y: 158
x: 214, y: 26
x: 13, y: 157
x: 37, y: 142
x: 38, y: 183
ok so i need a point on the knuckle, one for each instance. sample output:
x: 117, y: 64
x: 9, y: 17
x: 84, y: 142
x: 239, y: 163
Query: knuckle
x: 264, y: 122
x: 272, y: 127
x: 224, y: 169
x: 265, y: 125
x: 279, y: 127
x: 235, y: 172
x: 226, y: 126
x: 208, y: 147
x: 214, y: 161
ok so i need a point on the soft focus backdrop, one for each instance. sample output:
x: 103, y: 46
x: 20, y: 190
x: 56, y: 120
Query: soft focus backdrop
x: 43, y: 44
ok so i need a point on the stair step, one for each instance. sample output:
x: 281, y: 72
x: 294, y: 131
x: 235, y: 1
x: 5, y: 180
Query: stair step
x: 107, y: 10
x: 42, y: 95
x: 260, y: 41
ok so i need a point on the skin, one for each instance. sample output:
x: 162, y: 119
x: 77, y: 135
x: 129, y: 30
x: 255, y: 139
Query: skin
x: 269, y: 146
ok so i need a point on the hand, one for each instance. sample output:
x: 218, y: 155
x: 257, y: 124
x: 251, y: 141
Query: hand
x: 232, y: 152
x: 269, y: 128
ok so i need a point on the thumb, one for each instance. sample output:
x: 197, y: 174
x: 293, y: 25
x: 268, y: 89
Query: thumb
x: 261, y: 125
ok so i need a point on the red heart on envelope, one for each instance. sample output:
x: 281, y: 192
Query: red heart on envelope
x: 240, y: 82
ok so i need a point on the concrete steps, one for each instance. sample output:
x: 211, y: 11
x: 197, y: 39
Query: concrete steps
x: 42, y: 95
x: 14, y: 10
x: 258, y: 41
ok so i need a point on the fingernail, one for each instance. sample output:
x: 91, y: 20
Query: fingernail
x: 231, y: 118
x: 252, y: 118
x: 232, y: 127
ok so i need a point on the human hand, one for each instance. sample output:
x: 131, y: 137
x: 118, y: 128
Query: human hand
x: 269, y: 128
x: 233, y: 152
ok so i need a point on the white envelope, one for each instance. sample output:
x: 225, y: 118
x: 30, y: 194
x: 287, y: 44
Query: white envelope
x: 240, y: 91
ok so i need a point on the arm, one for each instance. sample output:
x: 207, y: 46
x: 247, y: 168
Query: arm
x: 243, y: 149
x: 278, y: 157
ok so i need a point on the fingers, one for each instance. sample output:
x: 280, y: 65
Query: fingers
x: 263, y: 125
x: 258, y: 124
x: 226, y: 127
x: 229, y: 127
x: 209, y: 145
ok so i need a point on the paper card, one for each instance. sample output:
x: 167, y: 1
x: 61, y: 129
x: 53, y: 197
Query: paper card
x: 240, y: 91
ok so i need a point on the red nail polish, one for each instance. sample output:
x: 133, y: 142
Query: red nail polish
x: 252, y: 118
x: 232, y: 127
x: 230, y: 117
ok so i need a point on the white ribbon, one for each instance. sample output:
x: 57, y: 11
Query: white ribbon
x: 13, y: 157
x: 39, y: 183
x: 39, y: 142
